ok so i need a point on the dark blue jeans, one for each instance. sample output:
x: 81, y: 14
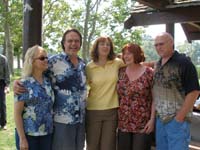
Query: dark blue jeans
x: 36, y: 142
x: 2, y: 104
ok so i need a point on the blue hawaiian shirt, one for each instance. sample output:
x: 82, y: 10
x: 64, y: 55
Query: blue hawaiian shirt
x: 69, y: 84
x: 38, y: 106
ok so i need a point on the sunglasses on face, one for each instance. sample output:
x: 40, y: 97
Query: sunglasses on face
x: 42, y: 58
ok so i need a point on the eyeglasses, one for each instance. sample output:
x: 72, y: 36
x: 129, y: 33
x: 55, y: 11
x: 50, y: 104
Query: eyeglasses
x: 159, y: 44
x: 42, y: 58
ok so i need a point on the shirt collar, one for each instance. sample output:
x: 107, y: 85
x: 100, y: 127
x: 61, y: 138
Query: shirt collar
x: 66, y: 57
x: 171, y: 58
x: 93, y: 64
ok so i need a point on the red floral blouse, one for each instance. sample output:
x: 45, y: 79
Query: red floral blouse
x: 135, y: 99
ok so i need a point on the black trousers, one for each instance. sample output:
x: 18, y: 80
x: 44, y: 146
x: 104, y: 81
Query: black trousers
x: 2, y: 104
x: 134, y: 141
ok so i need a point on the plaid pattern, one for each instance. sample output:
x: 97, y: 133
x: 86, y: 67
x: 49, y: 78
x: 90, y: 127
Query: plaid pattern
x: 168, y: 86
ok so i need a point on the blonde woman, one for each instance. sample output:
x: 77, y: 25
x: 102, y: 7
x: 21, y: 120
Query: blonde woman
x: 33, y: 108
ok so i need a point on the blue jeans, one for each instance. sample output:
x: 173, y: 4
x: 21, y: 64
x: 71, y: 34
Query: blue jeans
x: 68, y: 137
x: 36, y: 142
x: 172, y: 135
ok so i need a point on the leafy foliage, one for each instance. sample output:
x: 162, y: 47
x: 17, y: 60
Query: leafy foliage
x: 11, y: 17
x: 93, y: 18
x: 149, y: 49
x: 192, y: 50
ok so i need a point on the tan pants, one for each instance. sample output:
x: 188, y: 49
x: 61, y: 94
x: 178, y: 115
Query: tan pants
x: 101, y: 128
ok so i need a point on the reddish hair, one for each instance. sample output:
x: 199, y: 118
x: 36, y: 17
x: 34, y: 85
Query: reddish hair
x: 136, y: 50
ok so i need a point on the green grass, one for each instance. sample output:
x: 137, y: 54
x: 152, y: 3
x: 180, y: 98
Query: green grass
x: 7, y: 140
x: 7, y: 137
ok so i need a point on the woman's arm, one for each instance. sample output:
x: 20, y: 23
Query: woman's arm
x: 18, y: 109
x: 18, y: 88
x: 150, y: 124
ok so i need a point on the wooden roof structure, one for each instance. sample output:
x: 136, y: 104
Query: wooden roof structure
x: 151, y: 12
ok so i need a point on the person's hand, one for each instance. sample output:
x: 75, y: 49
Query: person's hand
x: 179, y: 118
x: 23, y: 144
x: 18, y: 87
x: 7, y: 90
x: 149, y: 127
x: 149, y: 64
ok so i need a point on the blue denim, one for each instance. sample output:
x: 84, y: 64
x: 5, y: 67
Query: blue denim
x: 172, y: 135
x: 69, y: 136
x: 36, y: 142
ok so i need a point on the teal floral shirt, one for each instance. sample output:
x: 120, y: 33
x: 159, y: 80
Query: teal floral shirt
x: 38, y: 107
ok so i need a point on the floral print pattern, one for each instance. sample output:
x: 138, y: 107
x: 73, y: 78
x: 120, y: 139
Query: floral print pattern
x: 38, y: 106
x: 69, y: 84
x: 135, y: 101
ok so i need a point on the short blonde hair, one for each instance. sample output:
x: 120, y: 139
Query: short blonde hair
x: 28, y: 60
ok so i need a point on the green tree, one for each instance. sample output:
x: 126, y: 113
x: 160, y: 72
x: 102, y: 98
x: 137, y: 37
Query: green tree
x: 149, y: 49
x: 190, y: 49
x: 184, y: 48
x: 195, y: 53
x: 6, y: 24
x: 11, y: 29
x: 92, y: 17
x: 119, y: 10
x: 90, y: 25
x: 56, y: 16
x: 16, y: 29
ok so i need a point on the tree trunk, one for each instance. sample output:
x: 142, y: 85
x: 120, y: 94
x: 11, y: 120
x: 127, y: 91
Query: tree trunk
x: 86, y: 35
x: 85, y: 32
x: 18, y: 62
x: 8, y: 42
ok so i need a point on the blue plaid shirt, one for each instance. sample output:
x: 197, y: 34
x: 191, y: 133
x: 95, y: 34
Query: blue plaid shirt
x: 69, y: 84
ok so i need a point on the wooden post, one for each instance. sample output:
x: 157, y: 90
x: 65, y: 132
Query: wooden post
x: 170, y: 28
x: 32, y: 26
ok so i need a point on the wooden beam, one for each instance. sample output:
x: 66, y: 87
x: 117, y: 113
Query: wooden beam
x: 185, y: 29
x: 158, y: 4
x: 171, y: 15
x: 194, y: 36
x: 170, y: 29
x: 194, y: 25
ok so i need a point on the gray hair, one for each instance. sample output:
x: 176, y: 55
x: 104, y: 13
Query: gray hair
x: 29, y: 56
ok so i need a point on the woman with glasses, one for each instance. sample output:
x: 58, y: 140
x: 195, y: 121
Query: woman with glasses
x: 33, y: 108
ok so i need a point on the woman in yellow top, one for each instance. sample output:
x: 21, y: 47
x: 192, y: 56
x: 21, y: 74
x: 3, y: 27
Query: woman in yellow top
x: 102, y: 102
